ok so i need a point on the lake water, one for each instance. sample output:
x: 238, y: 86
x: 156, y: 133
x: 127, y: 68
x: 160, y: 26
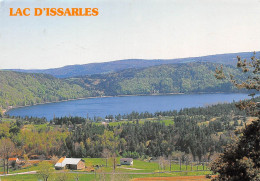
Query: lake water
x: 115, y: 105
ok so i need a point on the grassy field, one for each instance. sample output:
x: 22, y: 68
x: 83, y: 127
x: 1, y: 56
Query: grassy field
x: 166, y: 120
x: 141, y: 166
x: 140, y: 169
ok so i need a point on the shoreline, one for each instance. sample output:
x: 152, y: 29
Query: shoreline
x: 82, y: 98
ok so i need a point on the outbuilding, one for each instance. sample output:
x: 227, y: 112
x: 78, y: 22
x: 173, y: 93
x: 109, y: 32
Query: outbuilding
x: 70, y: 163
x: 126, y: 161
x: 11, y: 160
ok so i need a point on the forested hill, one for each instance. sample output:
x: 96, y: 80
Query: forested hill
x: 178, y: 78
x: 21, y: 89
x: 114, y: 66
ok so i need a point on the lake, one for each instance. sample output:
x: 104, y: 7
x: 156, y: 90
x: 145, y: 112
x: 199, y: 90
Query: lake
x: 115, y: 105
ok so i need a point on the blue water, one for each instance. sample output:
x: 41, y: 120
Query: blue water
x: 115, y: 105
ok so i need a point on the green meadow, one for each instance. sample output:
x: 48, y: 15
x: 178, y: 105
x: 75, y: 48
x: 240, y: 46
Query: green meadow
x: 139, y: 169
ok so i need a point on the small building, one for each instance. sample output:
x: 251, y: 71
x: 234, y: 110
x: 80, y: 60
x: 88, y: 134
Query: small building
x: 126, y: 161
x: 11, y: 160
x: 70, y: 163
x: 34, y: 157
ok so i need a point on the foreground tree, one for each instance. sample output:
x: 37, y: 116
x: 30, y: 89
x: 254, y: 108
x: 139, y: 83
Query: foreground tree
x: 106, y: 154
x: 63, y: 176
x: 178, y: 155
x: 45, y: 170
x: 162, y: 163
x: 7, y: 149
x: 241, y: 160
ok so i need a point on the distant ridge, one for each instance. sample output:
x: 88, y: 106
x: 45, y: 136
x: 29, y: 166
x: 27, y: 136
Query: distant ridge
x: 25, y: 89
x: 114, y: 66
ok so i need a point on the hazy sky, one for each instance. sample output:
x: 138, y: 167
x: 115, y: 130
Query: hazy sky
x: 146, y: 29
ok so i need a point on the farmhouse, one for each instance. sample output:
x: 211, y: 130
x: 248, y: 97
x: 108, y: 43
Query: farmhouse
x: 126, y: 161
x: 11, y: 160
x: 70, y: 163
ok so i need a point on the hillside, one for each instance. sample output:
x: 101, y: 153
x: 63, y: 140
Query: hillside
x: 177, y: 78
x: 21, y: 89
x: 114, y: 66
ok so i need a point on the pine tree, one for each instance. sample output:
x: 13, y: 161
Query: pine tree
x: 240, y: 161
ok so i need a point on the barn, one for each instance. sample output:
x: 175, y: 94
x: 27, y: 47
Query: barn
x: 70, y: 163
x: 11, y: 160
x: 126, y: 161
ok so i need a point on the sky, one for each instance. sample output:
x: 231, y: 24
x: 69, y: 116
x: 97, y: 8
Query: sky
x: 126, y: 29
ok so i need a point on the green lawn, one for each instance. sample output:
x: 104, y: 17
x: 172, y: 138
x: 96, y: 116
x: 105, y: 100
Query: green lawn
x: 146, y: 167
x: 19, y: 177
x: 127, y: 172
x: 27, y: 169
x: 139, y: 166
